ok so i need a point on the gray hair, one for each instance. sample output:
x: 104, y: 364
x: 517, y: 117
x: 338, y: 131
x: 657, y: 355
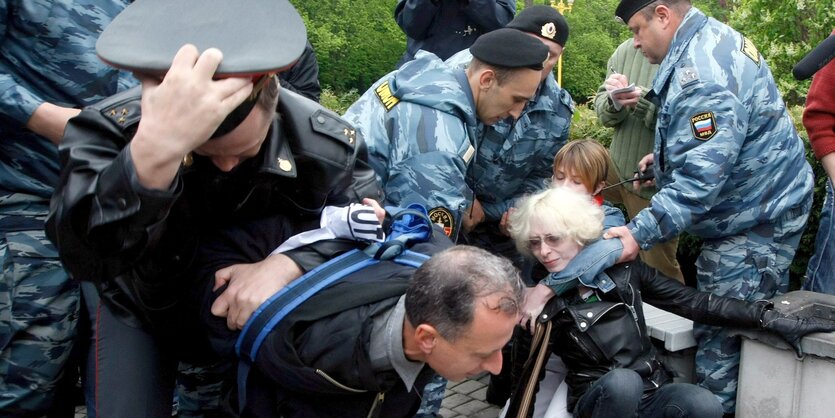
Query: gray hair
x: 268, y: 97
x: 562, y: 212
x: 444, y: 291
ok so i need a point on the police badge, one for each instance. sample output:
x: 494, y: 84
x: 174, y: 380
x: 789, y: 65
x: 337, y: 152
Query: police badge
x: 549, y: 30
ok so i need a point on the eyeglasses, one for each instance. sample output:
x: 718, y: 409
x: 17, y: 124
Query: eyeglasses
x: 549, y: 240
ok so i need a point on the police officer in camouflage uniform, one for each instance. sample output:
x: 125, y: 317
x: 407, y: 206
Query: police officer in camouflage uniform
x: 422, y: 122
x: 48, y: 70
x: 515, y: 157
x: 729, y: 166
x: 422, y: 126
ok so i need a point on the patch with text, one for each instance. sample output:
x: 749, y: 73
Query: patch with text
x: 703, y: 125
x: 443, y: 217
x: 386, y: 97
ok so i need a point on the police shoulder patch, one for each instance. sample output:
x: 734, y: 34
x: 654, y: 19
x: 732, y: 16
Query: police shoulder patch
x: 750, y: 50
x: 386, y: 97
x: 442, y: 216
x: 703, y: 125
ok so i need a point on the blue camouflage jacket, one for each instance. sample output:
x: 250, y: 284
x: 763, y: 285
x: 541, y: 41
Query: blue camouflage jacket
x: 515, y: 159
x: 727, y: 156
x: 444, y: 27
x: 419, y: 123
x: 47, y: 54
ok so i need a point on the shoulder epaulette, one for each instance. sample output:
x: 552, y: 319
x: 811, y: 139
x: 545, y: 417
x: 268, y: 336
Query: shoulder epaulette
x: 321, y: 120
x: 687, y: 76
x: 123, y: 109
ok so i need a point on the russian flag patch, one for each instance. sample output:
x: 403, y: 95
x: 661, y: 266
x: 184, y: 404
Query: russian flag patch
x: 703, y: 125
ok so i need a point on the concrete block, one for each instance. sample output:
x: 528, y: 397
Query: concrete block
x: 773, y: 382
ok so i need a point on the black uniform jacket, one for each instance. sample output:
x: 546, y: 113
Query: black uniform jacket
x: 594, y: 338
x: 138, y: 246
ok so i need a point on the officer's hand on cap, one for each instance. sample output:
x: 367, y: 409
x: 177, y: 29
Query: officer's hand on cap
x: 793, y: 328
x: 183, y: 110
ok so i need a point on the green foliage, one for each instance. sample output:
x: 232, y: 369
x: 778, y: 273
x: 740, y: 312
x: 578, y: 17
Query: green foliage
x: 585, y: 125
x: 356, y: 43
x: 784, y: 31
x: 338, y: 102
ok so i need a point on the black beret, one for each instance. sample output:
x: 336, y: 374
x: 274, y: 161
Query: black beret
x: 255, y: 36
x: 510, y: 48
x: 544, y: 21
x: 627, y: 8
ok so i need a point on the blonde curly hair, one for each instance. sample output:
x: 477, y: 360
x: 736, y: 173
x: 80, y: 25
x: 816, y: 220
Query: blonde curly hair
x: 562, y: 212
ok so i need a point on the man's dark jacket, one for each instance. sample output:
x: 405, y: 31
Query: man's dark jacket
x: 315, y: 363
x: 138, y: 246
x: 595, y: 338
x: 303, y: 76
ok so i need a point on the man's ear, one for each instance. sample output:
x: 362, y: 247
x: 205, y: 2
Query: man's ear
x: 664, y: 15
x: 486, y: 79
x: 426, y: 337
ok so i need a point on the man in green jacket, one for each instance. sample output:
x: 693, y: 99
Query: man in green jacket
x: 633, y: 117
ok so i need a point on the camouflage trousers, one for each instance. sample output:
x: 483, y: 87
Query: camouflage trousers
x: 751, y: 266
x: 433, y: 395
x: 39, y: 308
x: 200, y: 389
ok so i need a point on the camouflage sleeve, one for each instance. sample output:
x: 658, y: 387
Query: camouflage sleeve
x: 426, y: 162
x: 701, y: 134
x: 16, y: 101
x: 490, y: 14
x: 539, y: 176
x: 546, y: 132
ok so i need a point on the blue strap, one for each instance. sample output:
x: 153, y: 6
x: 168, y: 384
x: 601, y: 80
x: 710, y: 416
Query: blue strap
x: 411, y: 225
x: 264, y: 319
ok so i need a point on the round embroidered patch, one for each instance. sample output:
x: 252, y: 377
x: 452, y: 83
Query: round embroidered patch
x: 442, y: 216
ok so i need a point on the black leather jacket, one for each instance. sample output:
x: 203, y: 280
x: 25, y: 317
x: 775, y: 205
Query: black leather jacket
x: 138, y: 245
x: 594, y: 338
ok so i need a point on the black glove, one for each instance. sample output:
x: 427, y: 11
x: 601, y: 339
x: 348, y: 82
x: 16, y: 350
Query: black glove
x: 793, y: 328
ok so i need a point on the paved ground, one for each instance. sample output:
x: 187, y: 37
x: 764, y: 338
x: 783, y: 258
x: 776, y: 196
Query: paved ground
x: 466, y: 399
x: 463, y: 400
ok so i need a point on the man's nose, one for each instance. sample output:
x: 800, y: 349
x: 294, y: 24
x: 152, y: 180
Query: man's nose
x: 493, y: 364
x: 226, y: 164
x: 516, y: 111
